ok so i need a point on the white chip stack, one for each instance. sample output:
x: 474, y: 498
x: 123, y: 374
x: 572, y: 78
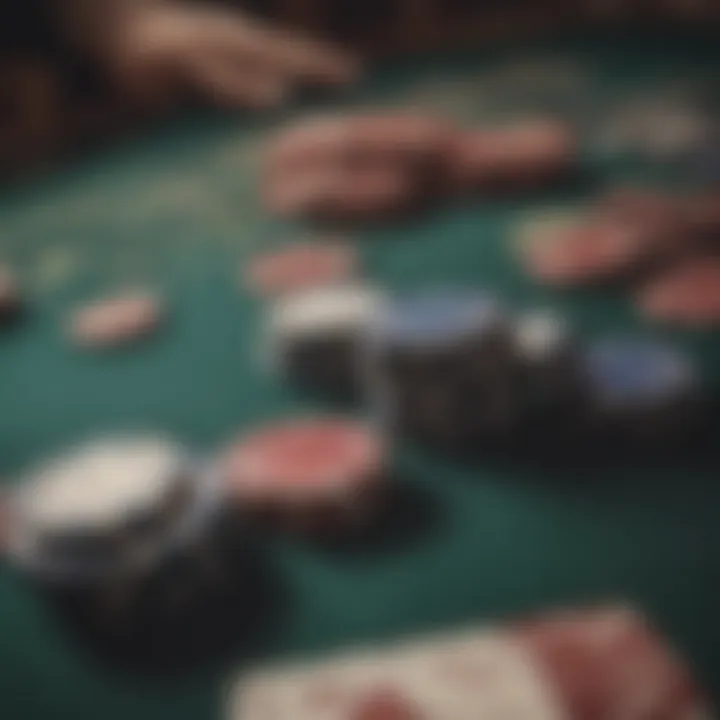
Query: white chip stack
x: 79, y: 515
x: 315, y: 336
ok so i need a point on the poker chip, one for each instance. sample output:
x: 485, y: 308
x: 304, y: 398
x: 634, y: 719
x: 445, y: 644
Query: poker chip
x: 10, y: 296
x: 356, y: 140
x: 442, y: 368
x: 361, y: 168
x: 640, y: 389
x: 685, y: 295
x: 513, y: 158
x: 588, y: 253
x: 316, y: 336
x: 638, y: 371
x: 625, y: 232
x: 553, y: 385
x: 306, y: 469
x: 437, y: 317
x: 301, y: 266
x: 116, y: 321
x: 341, y: 195
x: 105, y: 506
x: 541, y: 336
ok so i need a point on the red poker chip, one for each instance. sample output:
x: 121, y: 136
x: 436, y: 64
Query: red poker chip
x: 368, y: 138
x: 626, y: 231
x: 588, y: 253
x: 339, y: 194
x: 514, y: 157
x: 686, y: 295
x: 304, y: 461
x: 301, y: 266
x: 116, y: 321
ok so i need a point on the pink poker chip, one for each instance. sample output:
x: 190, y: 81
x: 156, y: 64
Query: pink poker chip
x: 116, y: 321
x: 301, y: 266
x: 303, y: 462
x: 585, y: 254
x: 515, y: 157
x: 364, y: 138
x: 340, y: 194
x: 685, y: 295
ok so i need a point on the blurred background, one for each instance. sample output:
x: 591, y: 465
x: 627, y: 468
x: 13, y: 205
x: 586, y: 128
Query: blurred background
x: 57, y: 96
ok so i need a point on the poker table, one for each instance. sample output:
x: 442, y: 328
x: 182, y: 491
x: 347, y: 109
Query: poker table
x: 178, y: 210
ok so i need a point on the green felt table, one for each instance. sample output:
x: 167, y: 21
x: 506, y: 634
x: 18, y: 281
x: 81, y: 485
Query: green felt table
x: 179, y: 210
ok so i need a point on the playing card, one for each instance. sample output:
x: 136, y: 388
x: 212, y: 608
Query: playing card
x: 467, y: 676
x: 605, y: 664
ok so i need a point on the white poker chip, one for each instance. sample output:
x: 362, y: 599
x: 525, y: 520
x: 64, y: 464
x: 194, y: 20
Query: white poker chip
x: 97, y: 484
x: 324, y: 312
x: 540, y: 336
x: 97, y: 491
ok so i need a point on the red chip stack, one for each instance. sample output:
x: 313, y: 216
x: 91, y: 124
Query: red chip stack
x: 309, y: 474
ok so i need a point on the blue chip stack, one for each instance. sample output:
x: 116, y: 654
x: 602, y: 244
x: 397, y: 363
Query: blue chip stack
x: 442, y: 369
x: 640, y: 392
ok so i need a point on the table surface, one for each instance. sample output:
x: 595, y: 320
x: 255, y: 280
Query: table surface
x: 179, y: 210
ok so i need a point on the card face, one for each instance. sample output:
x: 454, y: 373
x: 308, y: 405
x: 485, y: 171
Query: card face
x: 607, y: 664
x: 468, y: 676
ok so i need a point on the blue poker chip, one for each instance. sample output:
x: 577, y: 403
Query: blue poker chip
x: 638, y: 374
x: 436, y: 318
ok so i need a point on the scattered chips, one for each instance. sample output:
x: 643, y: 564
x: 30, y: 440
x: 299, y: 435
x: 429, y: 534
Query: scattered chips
x: 116, y: 321
x: 514, y: 158
x: 625, y: 232
x: 359, y: 168
x: 358, y: 140
x: 688, y: 294
x: 341, y: 194
x: 585, y: 254
x: 301, y: 266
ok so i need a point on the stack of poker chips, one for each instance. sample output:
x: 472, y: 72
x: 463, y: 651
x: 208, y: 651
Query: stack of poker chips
x: 641, y: 393
x: 316, y: 474
x: 441, y: 367
x: 106, y: 517
x: 454, y: 369
x: 315, y: 335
